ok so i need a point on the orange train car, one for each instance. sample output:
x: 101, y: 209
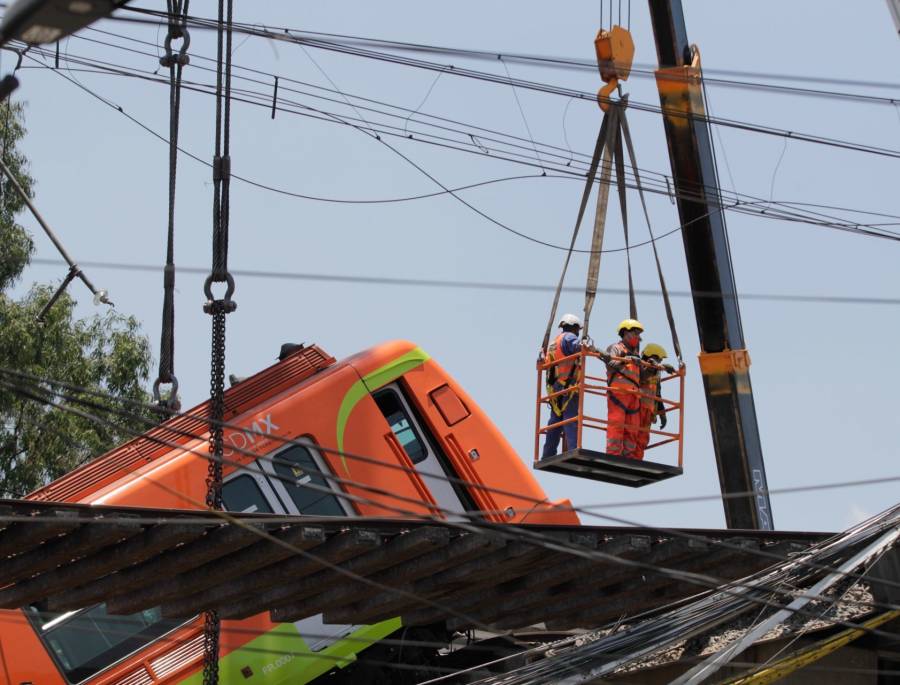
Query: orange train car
x: 391, y: 403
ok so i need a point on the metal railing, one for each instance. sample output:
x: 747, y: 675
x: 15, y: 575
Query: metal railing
x: 590, y: 386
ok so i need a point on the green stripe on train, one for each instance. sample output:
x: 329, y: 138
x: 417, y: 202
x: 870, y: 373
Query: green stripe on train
x: 283, y: 656
x: 370, y: 383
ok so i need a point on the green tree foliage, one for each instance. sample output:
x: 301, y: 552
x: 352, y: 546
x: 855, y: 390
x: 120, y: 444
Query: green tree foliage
x: 106, y: 353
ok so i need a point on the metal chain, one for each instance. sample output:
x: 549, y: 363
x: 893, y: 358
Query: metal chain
x: 211, y: 621
x: 217, y: 407
x: 175, y: 61
x: 218, y: 308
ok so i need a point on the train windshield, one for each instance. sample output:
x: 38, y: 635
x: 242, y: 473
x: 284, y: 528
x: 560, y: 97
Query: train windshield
x: 401, y: 424
x: 85, y: 642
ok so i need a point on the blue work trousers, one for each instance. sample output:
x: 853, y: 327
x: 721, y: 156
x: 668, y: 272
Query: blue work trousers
x: 553, y: 435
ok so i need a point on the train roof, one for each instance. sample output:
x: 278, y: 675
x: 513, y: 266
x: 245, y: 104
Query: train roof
x: 300, y: 365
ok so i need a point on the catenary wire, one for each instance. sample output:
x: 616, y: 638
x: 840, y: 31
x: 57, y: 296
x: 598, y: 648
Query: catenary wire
x: 576, y: 63
x: 543, y: 87
x: 738, y: 206
x: 478, y: 285
x: 765, y: 212
x: 271, y: 76
x: 344, y: 97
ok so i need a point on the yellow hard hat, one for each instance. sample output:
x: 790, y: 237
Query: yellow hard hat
x: 628, y: 324
x: 654, y: 350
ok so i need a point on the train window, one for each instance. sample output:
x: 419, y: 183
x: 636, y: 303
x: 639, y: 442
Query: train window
x: 299, y: 474
x: 85, y: 642
x: 400, y: 422
x: 243, y: 494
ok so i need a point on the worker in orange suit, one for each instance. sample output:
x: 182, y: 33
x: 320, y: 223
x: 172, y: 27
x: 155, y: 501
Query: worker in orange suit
x: 652, y: 406
x: 623, y: 401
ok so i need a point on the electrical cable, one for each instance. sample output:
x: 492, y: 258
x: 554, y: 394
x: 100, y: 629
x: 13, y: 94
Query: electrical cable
x: 542, y: 87
x: 857, y: 228
x: 550, y: 61
x: 355, y: 97
x: 229, y: 630
x: 478, y: 285
x: 765, y: 212
x: 539, y: 165
x: 740, y: 207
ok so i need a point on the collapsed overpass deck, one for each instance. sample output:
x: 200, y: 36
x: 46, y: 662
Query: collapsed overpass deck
x: 362, y: 570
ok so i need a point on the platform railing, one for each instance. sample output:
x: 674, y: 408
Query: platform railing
x: 592, y: 412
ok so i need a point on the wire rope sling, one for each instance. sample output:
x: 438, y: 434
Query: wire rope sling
x: 570, y: 380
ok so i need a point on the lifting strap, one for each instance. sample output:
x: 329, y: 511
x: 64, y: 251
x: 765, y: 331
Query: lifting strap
x: 620, y: 186
x: 609, y: 148
x: 626, y: 133
x: 175, y: 60
x: 589, y: 182
x: 593, y: 276
x: 619, y: 131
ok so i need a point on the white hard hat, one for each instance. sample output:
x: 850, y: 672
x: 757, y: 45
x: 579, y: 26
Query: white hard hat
x: 569, y: 320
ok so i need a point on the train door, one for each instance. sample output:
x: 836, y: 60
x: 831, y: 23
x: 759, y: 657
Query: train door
x: 420, y: 449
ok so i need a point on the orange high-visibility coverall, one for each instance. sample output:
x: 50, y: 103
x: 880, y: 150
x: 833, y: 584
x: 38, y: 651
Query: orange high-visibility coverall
x: 651, y: 407
x: 623, y: 404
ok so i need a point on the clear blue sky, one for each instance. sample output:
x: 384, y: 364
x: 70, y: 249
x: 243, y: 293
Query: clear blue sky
x: 824, y: 376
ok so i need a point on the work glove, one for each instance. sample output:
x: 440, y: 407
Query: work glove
x: 669, y: 368
x: 662, y: 421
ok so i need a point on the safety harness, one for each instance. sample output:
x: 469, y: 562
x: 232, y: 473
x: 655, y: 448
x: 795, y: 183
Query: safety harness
x: 562, y: 373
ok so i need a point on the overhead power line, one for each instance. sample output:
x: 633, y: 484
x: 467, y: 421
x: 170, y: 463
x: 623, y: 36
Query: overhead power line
x: 756, y: 207
x: 286, y: 35
x: 559, y: 152
x: 475, y: 285
x: 541, y: 60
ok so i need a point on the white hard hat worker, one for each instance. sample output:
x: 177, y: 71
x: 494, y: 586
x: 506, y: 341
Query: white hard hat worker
x: 569, y: 320
x: 562, y: 379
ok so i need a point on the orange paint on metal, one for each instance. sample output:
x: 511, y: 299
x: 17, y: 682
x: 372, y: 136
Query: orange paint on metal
x: 725, y: 362
x: 615, y: 54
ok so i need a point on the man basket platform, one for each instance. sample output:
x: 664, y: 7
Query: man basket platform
x: 587, y: 390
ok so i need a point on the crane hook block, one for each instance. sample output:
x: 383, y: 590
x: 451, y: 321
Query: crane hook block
x: 615, y: 53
